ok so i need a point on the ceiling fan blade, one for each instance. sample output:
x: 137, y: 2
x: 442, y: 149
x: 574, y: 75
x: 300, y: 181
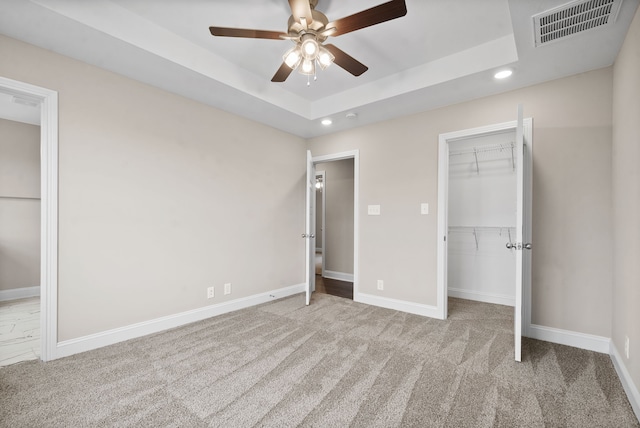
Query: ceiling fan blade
x: 376, y: 15
x: 283, y: 72
x: 346, y: 61
x: 301, y: 9
x: 241, y: 32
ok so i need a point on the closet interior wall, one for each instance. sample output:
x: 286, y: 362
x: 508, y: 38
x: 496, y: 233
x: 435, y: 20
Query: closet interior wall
x: 482, y: 218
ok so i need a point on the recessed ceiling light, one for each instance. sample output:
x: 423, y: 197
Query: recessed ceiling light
x: 351, y: 115
x: 503, y: 74
x: 326, y: 122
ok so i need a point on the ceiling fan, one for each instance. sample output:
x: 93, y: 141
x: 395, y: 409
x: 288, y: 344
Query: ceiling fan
x: 309, y: 28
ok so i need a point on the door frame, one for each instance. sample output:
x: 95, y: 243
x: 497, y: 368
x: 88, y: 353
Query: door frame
x: 48, y: 209
x: 443, y: 198
x: 355, y: 155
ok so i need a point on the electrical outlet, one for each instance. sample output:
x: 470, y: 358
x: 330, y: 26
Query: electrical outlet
x: 626, y: 346
x: 227, y: 288
x: 380, y: 285
x: 373, y: 209
x: 210, y: 293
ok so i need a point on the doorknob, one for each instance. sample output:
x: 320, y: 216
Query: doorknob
x: 518, y: 246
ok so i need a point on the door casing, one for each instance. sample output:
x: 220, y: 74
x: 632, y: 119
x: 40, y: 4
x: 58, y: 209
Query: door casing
x: 48, y: 209
x: 443, y: 197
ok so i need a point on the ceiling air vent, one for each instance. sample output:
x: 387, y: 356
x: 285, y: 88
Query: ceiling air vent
x: 573, y: 18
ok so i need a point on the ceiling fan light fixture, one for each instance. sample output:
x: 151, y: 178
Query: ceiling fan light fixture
x: 308, y: 67
x: 309, y: 47
x: 325, y: 58
x: 293, y: 57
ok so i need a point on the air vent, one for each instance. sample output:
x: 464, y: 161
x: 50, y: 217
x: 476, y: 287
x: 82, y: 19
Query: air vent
x: 573, y: 18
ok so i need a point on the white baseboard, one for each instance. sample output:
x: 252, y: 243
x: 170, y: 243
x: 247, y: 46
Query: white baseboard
x: 340, y: 276
x: 19, y: 293
x: 398, y: 305
x: 570, y: 338
x: 110, y: 337
x: 627, y: 383
x: 478, y: 296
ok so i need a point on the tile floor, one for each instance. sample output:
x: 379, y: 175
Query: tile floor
x: 19, y: 331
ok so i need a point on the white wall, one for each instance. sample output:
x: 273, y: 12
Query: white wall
x: 482, y: 197
x: 19, y: 205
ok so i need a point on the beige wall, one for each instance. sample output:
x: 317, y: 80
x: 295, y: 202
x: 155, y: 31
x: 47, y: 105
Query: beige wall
x: 572, y: 203
x: 339, y: 181
x: 626, y: 199
x: 161, y: 197
x: 19, y: 205
x: 158, y: 197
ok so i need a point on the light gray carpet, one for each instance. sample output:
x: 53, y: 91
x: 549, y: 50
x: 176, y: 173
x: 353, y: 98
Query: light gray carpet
x: 336, y: 363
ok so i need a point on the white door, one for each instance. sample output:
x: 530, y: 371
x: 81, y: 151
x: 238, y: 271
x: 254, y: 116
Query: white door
x: 308, y: 235
x: 520, y: 246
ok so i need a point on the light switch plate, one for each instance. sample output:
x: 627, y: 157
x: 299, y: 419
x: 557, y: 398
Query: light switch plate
x: 424, y: 208
x: 373, y: 209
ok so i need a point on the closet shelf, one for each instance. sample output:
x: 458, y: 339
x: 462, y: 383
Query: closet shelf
x: 503, y: 151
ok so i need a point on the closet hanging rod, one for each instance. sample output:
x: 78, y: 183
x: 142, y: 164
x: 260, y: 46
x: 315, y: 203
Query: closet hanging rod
x: 475, y: 229
x: 479, y: 228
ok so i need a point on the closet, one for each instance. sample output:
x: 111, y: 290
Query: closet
x: 482, y: 218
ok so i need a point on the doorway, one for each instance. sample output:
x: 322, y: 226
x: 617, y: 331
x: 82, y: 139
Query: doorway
x: 19, y: 229
x: 332, y: 181
x: 498, y: 219
x: 334, y: 224
x: 47, y: 101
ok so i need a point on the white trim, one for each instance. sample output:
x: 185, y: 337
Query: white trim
x: 627, y: 382
x: 48, y: 210
x: 110, y: 337
x: 479, y: 296
x: 19, y: 293
x: 589, y: 342
x: 340, y: 276
x: 355, y: 155
x: 398, y: 305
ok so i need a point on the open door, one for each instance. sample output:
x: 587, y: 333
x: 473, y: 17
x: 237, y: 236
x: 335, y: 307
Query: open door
x: 308, y: 235
x: 520, y: 246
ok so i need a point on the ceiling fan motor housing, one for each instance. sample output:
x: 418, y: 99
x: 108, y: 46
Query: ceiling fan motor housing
x: 318, y: 24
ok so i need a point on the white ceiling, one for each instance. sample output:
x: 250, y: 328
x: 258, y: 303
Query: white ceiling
x: 440, y: 53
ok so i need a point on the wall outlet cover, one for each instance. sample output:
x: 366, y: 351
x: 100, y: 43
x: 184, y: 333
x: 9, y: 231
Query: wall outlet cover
x: 373, y: 209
